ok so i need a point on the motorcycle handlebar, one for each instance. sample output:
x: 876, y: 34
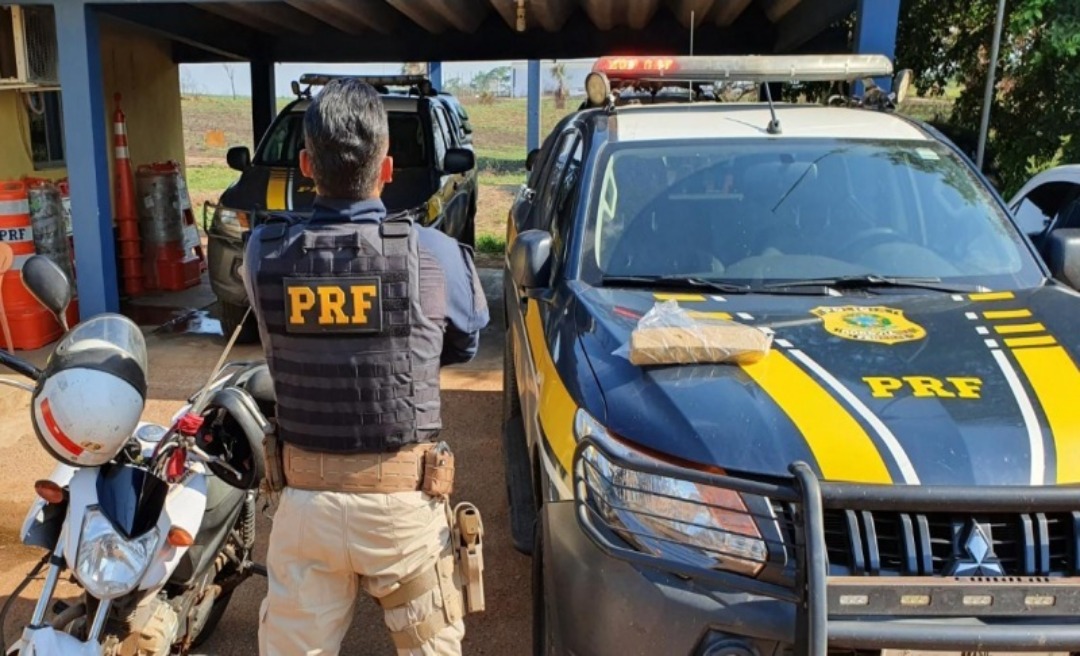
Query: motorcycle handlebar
x: 19, y: 366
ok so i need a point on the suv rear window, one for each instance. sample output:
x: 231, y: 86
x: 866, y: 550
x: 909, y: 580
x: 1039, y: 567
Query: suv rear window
x: 281, y: 147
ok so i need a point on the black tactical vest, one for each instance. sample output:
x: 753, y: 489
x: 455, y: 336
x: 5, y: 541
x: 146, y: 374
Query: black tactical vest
x: 355, y: 361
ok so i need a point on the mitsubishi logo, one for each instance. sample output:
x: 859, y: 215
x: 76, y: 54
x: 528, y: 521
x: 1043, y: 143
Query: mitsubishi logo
x: 980, y: 559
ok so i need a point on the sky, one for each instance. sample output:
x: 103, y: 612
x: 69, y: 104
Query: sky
x: 213, y: 79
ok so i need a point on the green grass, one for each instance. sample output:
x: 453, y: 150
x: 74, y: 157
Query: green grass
x: 512, y: 179
x: 490, y: 244
x: 210, y: 178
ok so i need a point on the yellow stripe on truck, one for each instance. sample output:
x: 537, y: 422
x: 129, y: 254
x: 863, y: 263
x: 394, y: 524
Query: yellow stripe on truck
x: 556, y: 407
x: 275, y: 189
x: 843, y: 450
x: 1054, y: 377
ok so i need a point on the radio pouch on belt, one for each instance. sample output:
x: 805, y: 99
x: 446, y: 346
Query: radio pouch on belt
x: 468, y: 536
x: 438, y: 478
x: 275, y: 471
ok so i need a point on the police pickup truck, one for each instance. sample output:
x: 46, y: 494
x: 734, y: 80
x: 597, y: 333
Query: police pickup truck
x: 900, y: 470
x: 434, y: 171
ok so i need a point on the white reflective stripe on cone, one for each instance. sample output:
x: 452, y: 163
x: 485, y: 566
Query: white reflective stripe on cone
x: 119, y: 128
x: 9, y: 207
x: 122, y: 152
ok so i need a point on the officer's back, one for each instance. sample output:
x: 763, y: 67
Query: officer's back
x: 357, y: 312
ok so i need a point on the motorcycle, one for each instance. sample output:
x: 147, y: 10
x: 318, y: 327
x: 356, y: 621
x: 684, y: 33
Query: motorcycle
x: 159, y: 534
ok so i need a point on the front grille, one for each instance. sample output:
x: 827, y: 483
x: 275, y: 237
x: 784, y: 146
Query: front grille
x: 928, y: 544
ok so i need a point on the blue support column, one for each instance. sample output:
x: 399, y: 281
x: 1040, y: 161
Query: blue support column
x: 435, y: 74
x: 532, y: 138
x: 875, y: 33
x: 263, y: 97
x: 86, y: 143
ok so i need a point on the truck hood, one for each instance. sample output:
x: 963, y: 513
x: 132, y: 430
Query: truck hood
x: 926, y: 388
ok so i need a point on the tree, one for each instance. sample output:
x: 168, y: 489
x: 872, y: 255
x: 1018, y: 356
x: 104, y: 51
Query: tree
x: 558, y: 75
x: 494, y: 82
x: 231, y: 73
x: 414, y: 68
x: 1035, y: 116
x: 189, y: 86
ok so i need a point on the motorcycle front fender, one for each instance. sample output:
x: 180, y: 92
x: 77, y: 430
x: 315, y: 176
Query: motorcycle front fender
x: 47, y: 641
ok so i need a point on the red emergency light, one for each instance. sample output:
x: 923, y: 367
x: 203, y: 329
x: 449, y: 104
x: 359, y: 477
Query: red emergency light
x: 612, y: 66
x: 747, y: 68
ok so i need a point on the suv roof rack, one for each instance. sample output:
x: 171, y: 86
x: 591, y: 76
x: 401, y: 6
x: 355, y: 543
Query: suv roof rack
x: 418, y: 83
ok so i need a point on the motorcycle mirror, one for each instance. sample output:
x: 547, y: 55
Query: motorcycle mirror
x: 48, y: 283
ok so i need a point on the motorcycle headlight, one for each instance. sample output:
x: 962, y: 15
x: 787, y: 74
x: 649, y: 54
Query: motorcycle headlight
x: 231, y: 222
x: 107, y: 564
x: 701, y: 525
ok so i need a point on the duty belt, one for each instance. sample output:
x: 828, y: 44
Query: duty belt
x: 397, y: 471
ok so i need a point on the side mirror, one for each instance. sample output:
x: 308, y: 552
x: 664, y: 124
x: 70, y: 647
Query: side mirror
x: 238, y: 158
x: 530, y: 159
x: 530, y: 259
x: 48, y: 283
x: 1062, y: 249
x: 459, y: 160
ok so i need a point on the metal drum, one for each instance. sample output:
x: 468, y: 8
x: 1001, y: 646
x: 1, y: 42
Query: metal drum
x: 161, y: 218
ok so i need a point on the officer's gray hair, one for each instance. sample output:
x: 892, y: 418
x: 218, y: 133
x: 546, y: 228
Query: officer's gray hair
x: 347, y: 135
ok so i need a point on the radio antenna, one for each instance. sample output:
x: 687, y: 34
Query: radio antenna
x: 774, y: 124
x: 693, y: 25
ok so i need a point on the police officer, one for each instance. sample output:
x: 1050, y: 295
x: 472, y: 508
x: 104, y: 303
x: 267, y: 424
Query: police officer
x: 356, y: 312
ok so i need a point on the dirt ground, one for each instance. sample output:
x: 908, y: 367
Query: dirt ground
x: 179, y: 364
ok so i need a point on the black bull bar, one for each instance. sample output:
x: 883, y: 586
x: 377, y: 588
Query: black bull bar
x: 871, y: 612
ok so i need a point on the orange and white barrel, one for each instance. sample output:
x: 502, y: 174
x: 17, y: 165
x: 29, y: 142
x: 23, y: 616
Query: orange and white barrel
x: 16, y: 229
x: 31, y: 324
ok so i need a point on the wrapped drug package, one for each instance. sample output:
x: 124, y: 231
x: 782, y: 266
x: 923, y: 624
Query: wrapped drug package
x: 669, y: 334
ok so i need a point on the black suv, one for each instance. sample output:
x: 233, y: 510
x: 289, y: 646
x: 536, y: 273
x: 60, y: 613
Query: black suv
x: 434, y: 171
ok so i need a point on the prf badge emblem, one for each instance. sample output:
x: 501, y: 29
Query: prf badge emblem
x: 880, y: 325
x: 333, y: 305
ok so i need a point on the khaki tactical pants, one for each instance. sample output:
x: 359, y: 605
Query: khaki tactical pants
x: 325, y: 544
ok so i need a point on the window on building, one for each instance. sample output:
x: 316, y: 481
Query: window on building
x: 46, y: 129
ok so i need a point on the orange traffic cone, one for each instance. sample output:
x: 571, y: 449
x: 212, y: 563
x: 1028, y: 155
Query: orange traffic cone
x: 127, y: 218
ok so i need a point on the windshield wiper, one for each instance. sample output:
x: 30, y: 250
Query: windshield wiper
x: 872, y: 281
x: 698, y: 283
x: 677, y: 282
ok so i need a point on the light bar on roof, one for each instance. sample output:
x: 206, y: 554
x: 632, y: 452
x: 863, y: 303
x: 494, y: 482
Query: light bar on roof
x: 321, y: 79
x: 748, y: 68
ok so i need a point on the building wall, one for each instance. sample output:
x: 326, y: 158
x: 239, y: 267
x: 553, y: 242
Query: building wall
x: 139, y: 67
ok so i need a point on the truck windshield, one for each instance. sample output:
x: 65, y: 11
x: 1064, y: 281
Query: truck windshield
x: 282, y: 145
x: 760, y: 211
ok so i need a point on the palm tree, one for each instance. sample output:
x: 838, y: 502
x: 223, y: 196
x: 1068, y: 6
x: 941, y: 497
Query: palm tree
x: 558, y: 74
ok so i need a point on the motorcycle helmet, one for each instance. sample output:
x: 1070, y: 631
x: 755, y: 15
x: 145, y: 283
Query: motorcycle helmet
x: 91, y: 395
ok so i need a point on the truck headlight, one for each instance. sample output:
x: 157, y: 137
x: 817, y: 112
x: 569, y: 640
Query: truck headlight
x: 700, y: 525
x: 107, y: 564
x: 231, y: 222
